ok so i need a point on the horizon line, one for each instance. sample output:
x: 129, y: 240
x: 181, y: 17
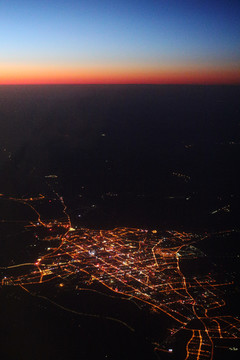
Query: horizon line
x: 132, y: 83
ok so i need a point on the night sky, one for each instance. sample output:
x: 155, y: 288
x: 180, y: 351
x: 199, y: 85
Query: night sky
x: 127, y: 41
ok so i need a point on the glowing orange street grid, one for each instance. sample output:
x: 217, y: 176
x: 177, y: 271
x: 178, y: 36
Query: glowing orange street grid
x: 138, y: 264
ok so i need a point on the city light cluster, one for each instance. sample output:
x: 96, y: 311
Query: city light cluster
x: 142, y: 265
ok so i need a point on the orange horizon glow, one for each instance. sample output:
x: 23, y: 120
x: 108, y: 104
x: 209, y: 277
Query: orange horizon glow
x: 167, y: 74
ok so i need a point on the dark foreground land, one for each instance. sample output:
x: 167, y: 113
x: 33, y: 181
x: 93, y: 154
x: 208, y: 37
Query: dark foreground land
x: 149, y: 157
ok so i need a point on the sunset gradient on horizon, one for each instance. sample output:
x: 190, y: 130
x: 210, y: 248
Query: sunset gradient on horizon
x: 122, y: 42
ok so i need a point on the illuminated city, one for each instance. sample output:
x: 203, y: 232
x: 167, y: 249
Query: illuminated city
x: 119, y: 186
x: 143, y: 266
